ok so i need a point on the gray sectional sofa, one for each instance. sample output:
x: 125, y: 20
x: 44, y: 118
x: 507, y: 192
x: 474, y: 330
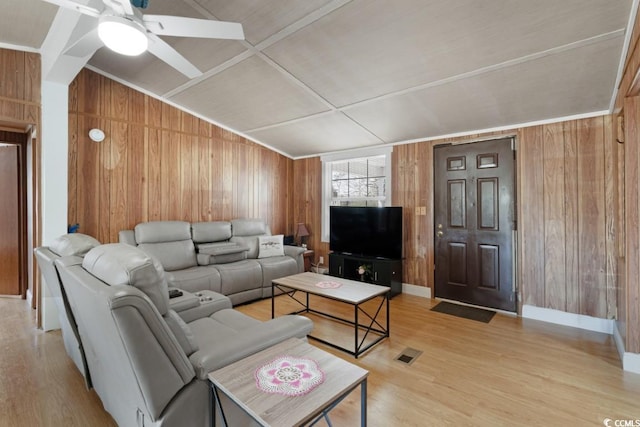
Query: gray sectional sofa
x: 149, y: 362
x: 77, y: 245
x: 237, y: 258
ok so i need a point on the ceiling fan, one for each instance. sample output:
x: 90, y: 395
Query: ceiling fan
x: 124, y: 29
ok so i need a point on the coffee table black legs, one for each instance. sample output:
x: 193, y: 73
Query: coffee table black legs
x: 372, y: 327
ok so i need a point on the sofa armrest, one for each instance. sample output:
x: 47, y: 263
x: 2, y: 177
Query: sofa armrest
x: 223, y: 252
x: 209, y: 302
x: 184, y: 302
x: 293, y: 251
x: 203, y: 259
x: 296, y: 252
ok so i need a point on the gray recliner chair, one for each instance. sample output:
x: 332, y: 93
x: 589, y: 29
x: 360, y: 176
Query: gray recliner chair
x: 75, y: 244
x: 149, y: 367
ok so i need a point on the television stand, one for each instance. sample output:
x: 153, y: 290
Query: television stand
x: 375, y: 270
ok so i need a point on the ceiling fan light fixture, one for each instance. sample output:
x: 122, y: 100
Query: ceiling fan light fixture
x: 122, y: 35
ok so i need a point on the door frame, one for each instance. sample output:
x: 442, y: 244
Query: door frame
x: 24, y: 135
x: 516, y: 250
x: 18, y: 140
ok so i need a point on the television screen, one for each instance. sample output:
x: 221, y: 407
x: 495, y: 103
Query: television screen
x: 375, y: 232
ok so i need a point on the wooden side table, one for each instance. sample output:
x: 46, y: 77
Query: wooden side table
x: 237, y: 381
x: 308, y: 258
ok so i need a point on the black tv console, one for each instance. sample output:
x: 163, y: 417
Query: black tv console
x: 378, y: 271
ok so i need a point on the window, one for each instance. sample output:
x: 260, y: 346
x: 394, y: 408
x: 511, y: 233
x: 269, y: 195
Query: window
x: 358, y: 182
x: 355, y: 179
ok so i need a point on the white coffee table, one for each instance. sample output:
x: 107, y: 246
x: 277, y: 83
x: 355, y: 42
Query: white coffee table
x: 238, y: 382
x: 349, y: 292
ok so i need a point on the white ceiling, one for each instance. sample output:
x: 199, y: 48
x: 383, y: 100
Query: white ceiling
x: 315, y: 76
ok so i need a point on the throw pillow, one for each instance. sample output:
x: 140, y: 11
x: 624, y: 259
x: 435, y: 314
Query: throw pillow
x: 269, y: 246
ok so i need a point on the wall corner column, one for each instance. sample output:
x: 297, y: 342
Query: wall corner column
x: 54, y: 137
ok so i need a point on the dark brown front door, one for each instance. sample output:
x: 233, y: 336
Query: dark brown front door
x: 9, y: 220
x: 474, y: 223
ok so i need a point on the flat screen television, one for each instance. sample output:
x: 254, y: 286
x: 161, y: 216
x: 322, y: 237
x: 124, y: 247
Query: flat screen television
x: 366, y: 231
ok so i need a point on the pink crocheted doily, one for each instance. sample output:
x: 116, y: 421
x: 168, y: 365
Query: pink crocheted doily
x: 289, y: 376
x: 328, y: 285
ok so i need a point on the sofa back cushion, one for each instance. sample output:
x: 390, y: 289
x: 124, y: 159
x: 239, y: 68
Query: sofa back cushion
x: 121, y: 264
x: 172, y: 255
x: 162, y: 231
x: 77, y: 244
x: 246, y: 232
x: 212, y: 231
x: 169, y: 242
x: 249, y: 227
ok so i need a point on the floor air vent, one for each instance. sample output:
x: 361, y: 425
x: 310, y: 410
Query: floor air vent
x: 408, y: 355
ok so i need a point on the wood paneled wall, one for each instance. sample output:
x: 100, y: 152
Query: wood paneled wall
x: 20, y: 111
x: 629, y: 295
x: 19, y: 88
x: 160, y: 163
x: 567, y: 197
x: 628, y: 109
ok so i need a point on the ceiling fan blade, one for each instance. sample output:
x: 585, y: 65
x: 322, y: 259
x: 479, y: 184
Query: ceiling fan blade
x: 165, y: 52
x: 120, y: 6
x: 69, y: 4
x: 85, y: 45
x: 179, y: 26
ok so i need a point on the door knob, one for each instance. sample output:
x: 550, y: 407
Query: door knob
x: 439, y: 233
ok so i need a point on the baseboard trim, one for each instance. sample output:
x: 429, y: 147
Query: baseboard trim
x: 420, y: 291
x: 619, y: 341
x: 558, y: 317
x: 630, y: 361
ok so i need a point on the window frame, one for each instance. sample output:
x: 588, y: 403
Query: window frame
x: 328, y: 159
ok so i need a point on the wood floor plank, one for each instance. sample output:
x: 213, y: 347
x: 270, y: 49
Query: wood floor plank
x: 511, y: 371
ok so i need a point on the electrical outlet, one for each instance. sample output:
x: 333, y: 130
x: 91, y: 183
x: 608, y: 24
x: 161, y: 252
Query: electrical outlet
x: 321, y: 260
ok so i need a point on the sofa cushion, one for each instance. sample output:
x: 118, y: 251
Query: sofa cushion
x: 212, y: 231
x: 249, y: 227
x: 241, y: 335
x: 176, y: 255
x: 275, y: 268
x: 195, y: 279
x: 270, y: 246
x: 121, y: 264
x: 77, y: 244
x: 162, y: 231
x: 239, y: 276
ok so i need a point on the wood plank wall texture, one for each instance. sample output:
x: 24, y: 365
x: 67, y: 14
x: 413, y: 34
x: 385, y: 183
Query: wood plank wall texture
x: 567, y: 186
x: 568, y: 215
x: 628, y: 108
x: 19, y: 87
x: 154, y: 171
x: 159, y: 163
x: 629, y: 292
x: 20, y: 108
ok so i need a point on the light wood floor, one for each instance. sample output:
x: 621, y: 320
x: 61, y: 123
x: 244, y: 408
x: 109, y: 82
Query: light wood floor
x: 508, y: 372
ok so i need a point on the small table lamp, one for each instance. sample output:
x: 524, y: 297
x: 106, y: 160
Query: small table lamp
x: 301, y: 233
